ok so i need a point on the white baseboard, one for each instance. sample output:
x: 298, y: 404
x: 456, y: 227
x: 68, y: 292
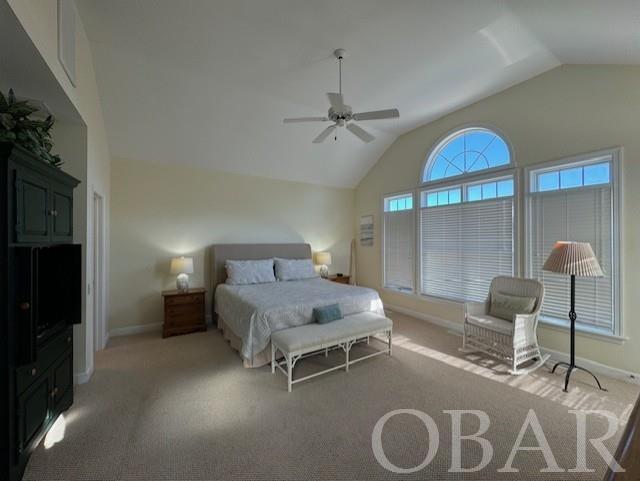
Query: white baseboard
x: 82, y: 377
x: 453, y: 326
x: 596, y: 367
x: 139, y: 329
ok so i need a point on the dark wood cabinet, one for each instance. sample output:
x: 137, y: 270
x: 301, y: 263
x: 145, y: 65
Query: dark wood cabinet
x: 33, y: 199
x: 61, y: 213
x: 36, y: 226
x: 44, y: 208
x: 33, y: 413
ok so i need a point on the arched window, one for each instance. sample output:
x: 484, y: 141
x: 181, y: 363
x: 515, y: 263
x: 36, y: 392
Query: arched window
x: 466, y: 151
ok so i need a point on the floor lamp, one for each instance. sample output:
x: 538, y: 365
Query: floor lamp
x: 574, y: 259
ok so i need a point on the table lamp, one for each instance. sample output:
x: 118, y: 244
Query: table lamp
x: 182, y: 266
x: 574, y: 259
x: 323, y: 259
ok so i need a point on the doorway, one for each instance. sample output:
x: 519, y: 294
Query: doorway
x: 98, y: 283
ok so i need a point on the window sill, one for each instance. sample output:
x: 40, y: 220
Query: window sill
x: 565, y: 326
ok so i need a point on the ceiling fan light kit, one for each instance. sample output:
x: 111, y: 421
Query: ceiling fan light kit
x: 342, y: 115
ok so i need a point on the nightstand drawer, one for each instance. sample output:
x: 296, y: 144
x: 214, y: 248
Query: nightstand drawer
x: 185, y: 299
x: 340, y: 279
x: 183, y: 311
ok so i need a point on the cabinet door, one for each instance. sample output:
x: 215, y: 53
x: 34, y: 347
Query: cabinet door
x: 62, y: 382
x: 33, y: 412
x: 62, y: 210
x: 33, y: 210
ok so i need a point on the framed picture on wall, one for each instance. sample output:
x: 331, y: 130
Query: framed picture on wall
x: 366, y: 230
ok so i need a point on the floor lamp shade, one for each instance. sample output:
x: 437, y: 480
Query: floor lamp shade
x: 573, y: 258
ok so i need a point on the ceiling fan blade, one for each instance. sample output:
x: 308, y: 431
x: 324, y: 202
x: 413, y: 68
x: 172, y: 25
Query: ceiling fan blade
x: 377, y: 114
x: 336, y: 101
x: 324, y: 134
x: 360, y: 133
x: 305, y: 119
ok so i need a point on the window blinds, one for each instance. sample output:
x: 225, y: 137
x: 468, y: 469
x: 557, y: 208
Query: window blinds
x: 398, y: 249
x: 466, y: 245
x: 584, y: 215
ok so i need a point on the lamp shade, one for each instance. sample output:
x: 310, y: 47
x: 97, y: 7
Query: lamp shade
x: 182, y: 265
x: 323, y: 258
x: 573, y: 258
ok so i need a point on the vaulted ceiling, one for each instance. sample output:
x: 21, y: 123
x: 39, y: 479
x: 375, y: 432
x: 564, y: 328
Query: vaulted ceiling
x: 208, y: 82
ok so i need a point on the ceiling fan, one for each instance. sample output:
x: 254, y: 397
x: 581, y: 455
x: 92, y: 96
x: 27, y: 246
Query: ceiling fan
x: 342, y: 115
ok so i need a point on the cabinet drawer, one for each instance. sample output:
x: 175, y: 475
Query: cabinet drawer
x: 62, y: 378
x: 33, y: 412
x: 47, y: 354
x: 186, y: 299
x: 182, y: 314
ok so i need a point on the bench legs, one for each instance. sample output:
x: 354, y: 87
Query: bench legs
x: 347, y: 348
x: 273, y: 358
x: 292, y: 359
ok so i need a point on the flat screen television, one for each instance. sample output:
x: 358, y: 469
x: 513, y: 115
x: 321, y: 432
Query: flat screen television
x: 58, y: 279
x: 50, y: 280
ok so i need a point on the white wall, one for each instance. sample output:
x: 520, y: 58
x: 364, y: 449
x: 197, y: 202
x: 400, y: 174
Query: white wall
x: 39, y: 19
x: 160, y: 211
x: 569, y: 110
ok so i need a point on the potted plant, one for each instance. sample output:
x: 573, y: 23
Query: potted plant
x: 17, y: 128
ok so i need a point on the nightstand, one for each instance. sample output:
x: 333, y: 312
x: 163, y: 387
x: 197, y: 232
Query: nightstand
x: 341, y: 279
x: 183, y: 311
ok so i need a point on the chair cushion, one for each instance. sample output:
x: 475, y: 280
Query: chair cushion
x: 325, y: 314
x: 505, y: 306
x: 318, y: 336
x: 492, y: 323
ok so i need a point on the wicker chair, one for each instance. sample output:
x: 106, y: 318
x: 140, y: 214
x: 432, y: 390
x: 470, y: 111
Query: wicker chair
x: 514, y: 342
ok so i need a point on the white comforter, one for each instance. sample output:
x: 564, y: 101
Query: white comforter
x: 253, y: 312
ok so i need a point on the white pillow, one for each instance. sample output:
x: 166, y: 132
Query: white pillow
x: 249, y: 272
x: 294, y: 269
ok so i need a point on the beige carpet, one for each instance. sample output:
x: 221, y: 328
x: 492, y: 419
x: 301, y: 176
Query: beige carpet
x: 185, y: 408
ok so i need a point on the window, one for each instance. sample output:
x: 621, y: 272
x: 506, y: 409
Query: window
x: 468, y: 242
x: 466, y: 151
x: 467, y: 218
x: 399, y: 241
x: 575, y: 200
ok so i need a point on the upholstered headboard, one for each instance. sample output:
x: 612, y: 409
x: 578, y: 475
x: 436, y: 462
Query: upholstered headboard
x: 219, y: 253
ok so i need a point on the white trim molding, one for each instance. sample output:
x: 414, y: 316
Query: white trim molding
x: 456, y: 328
x: 139, y: 329
x: 612, y: 372
x: 83, y: 377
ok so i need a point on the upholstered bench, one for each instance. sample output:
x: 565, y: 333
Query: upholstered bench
x: 311, y: 339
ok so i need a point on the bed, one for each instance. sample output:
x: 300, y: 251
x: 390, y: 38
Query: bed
x: 248, y: 314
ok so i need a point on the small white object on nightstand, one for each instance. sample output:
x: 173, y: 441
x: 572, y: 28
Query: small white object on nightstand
x: 323, y: 259
x: 182, y: 266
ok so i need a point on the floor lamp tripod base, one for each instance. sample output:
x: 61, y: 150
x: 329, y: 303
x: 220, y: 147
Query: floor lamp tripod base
x: 571, y: 365
x: 570, y: 369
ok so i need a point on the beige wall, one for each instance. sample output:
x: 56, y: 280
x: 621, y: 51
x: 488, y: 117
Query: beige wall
x: 569, y: 110
x: 92, y: 165
x: 160, y: 211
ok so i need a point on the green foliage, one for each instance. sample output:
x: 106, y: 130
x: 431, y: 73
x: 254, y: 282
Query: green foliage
x: 17, y: 128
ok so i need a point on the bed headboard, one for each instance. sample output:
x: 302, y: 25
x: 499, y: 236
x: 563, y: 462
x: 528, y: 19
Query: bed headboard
x: 219, y: 253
